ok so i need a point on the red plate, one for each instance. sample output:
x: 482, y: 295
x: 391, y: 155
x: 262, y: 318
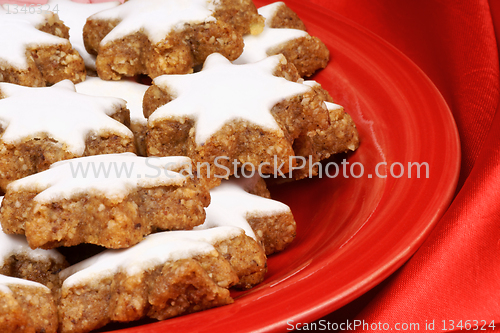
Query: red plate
x: 352, y: 232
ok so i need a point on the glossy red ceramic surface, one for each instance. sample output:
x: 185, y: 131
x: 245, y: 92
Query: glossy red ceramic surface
x: 352, y: 232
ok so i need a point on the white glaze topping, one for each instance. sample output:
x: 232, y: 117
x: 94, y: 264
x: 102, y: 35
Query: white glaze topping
x: 19, y: 32
x: 74, y: 15
x: 223, y: 92
x: 312, y: 83
x: 231, y: 205
x: 130, y: 91
x: 270, y: 10
x: 156, y: 18
x: 3, y: 288
x: 154, y: 250
x: 257, y: 47
x: 59, y: 113
x: 112, y: 175
x: 6, y: 281
x: 17, y: 244
x: 333, y: 106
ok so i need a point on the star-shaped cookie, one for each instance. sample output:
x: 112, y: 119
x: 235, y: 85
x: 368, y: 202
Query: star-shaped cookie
x: 40, y: 126
x: 307, y: 53
x: 242, y: 113
x: 223, y: 92
x: 33, y: 52
x: 167, y: 274
x: 112, y: 200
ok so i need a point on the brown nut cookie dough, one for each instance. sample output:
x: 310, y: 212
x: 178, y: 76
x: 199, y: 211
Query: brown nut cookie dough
x: 167, y: 274
x: 156, y: 37
x: 111, y: 200
x: 40, y: 126
x: 26, y: 306
x: 18, y: 260
x: 340, y: 137
x: 279, y: 15
x: 35, y: 50
x: 225, y: 114
x: 285, y: 33
x: 269, y: 222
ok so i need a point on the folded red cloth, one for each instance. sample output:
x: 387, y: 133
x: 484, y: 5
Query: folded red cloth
x: 455, y: 276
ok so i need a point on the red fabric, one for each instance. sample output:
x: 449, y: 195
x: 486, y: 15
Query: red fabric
x: 455, y: 275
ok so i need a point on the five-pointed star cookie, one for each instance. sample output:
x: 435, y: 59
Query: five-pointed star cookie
x: 167, y: 274
x: 223, y: 92
x: 229, y: 114
x: 268, y: 221
x: 111, y: 200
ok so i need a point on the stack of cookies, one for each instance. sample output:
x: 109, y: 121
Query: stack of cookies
x: 146, y: 129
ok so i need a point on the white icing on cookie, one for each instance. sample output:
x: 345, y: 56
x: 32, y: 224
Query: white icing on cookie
x: 59, y: 113
x: 270, y: 10
x: 231, y: 205
x: 16, y: 244
x: 156, y: 18
x: 3, y: 288
x: 311, y: 83
x: 112, y: 175
x: 156, y: 249
x: 6, y: 281
x: 19, y: 32
x: 222, y: 92
x: 74, y: 15
x: 333, y: 106
x: 130, y: 91
x: 257, y: 47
